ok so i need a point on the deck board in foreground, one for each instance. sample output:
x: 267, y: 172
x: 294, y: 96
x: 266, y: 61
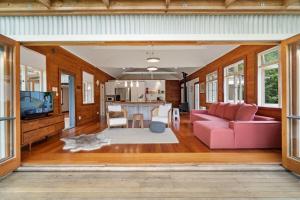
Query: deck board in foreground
x: 150, y: 185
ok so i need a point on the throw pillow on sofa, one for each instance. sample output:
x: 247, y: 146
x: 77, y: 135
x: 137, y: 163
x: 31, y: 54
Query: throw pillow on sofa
x: 212, y: 109
x: 246, y: 112
x: 221, y: 109
x: 231, y: 110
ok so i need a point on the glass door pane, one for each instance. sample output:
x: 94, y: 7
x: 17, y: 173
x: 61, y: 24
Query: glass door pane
x: 6, y: 103
x: 294, y: 101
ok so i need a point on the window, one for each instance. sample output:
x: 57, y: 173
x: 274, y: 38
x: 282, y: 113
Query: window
x: 212, y: 87
x: 196, y: 96
x: 32, y: 78
x: 88, y: 88
x: 268, y: 78
x: 234, y: 82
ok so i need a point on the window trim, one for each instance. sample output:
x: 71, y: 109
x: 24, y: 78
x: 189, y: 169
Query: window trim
x: 93, y: 89
x: 207, y: 85
x: 234, y: 75
x: 260, y: 82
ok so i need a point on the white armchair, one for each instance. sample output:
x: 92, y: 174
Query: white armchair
x: 116, y: 116
x: 162, y: 113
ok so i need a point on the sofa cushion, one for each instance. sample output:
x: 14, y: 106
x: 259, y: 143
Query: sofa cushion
x: 212, y: 109
x: 221, y: 109
x: 246, y: 112
x: 230, y: 111
x: 205, y: 117
x: 216, y: 135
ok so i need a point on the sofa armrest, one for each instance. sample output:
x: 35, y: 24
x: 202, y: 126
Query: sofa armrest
x: 257, y: 134
x: 199, y: 111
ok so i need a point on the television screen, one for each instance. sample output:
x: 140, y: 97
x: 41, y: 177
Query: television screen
x: 35, y: 103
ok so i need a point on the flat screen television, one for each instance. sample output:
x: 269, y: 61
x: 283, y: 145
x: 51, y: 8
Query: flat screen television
x: 36, y: 104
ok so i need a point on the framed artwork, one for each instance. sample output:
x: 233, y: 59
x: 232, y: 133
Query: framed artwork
x: 202, y: 88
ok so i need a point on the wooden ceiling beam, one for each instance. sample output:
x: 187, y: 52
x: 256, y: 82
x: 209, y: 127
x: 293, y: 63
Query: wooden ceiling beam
x: 75, y: 7
x: 46, y: 3
x: 288, y: 3
x: 229, y: 2
x: 168, y: 3
x: 106, y: 3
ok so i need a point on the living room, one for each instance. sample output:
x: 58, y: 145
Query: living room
x: 188, y: 135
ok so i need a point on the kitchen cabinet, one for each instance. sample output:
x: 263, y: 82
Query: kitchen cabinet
x: 110, y: 88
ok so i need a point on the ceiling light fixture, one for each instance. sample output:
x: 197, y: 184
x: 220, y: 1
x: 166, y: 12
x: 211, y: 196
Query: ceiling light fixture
x: 153, y: 60
x: 152, y: 68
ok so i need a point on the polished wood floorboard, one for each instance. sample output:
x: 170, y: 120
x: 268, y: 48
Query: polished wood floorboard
x: 150, y: 185
x: 189, y: 150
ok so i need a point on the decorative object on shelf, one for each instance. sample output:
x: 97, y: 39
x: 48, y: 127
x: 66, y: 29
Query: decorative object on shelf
x: 202, y: 88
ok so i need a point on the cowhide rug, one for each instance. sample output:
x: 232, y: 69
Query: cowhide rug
x: 84, y: 143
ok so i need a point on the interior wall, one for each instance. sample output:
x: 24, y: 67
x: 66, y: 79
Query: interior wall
x: 58, y: 59
x: 249, y: 54
x: 173, y: 92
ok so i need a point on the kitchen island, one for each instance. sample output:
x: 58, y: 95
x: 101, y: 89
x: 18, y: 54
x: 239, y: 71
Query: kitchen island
x: 144, y: 107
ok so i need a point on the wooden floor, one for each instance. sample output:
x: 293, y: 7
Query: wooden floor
x: 150, y: 185
x: 189, y: 150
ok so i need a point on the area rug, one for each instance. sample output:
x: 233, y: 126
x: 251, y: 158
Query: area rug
x: 92, y: 142
x: 84, y: 143
x: 137, y: 136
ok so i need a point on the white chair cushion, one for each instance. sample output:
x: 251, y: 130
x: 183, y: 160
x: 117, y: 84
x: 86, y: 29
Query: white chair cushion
x: 117, y: 121
x: 160, y: 119
x: 163, y: 110
x: 114, y: 108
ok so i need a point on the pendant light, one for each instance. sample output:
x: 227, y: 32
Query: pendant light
x: 137, y: 84
x: 125, y: 84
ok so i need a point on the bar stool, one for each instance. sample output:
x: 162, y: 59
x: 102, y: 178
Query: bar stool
x: 176, y: 114
x: 138, y: 117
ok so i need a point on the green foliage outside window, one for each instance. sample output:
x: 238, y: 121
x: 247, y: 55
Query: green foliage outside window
x: 271, y: 57
x: 271, y: 86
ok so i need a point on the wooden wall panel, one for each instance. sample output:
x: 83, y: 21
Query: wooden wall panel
x: 60, y: 60
x: 249, y: 54
x: 173, y: 92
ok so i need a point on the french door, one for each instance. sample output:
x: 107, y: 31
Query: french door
x: 9, y: 105
x: 290, y: 58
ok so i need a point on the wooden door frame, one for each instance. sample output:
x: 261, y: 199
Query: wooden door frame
x: 287, y: 162
x: 14, y: 162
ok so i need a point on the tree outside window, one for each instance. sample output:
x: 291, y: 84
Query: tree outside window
x: 268, y: 78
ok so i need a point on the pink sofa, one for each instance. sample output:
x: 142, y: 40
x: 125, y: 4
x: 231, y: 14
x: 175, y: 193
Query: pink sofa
x: 235, y: 128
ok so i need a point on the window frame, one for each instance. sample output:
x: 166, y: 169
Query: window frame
x: 236, y: 77
x: 261, y: 68
x: 84, y: 91
x: 210, y: 82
